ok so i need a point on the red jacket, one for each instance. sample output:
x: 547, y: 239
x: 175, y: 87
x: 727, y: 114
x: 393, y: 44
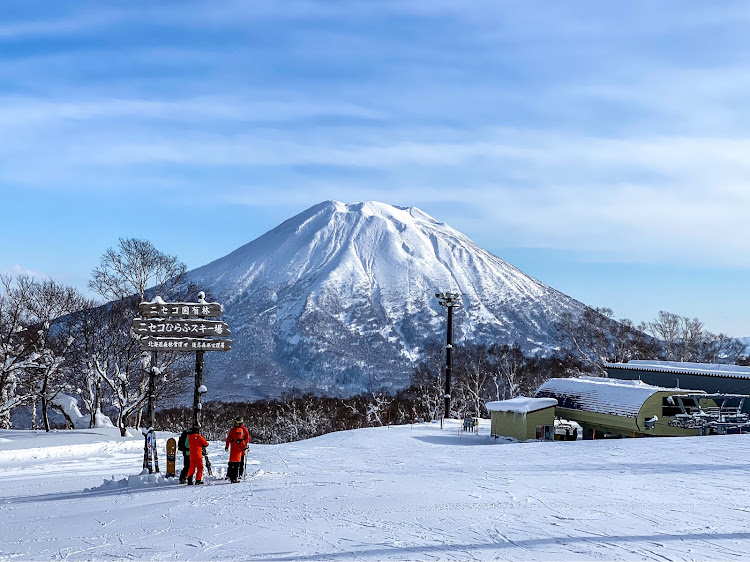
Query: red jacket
x: 238, y: 439
x: 197, y: 442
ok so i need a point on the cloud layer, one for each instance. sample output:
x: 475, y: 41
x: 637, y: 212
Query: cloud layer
x: 617, y: 129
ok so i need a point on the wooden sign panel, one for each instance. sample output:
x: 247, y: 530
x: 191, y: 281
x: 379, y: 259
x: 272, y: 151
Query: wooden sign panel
x: 182, y: 327
x: 179, y: 309
x: 149, y: 343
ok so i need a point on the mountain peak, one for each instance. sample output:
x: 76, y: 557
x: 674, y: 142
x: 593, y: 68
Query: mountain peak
x: 342, y: 296
x: 379, y: 209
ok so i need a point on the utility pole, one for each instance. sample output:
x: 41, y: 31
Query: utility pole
x: 152, y: 392
x: 449, y: 301
x: 199, y: 388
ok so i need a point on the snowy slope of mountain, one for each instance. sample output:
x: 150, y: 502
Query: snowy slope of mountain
x: 341, y: 298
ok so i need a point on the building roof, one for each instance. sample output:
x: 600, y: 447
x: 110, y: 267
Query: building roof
x: 521, y: 405
x: 605, y: 396
x: 682, y: 367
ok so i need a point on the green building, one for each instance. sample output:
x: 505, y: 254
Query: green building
x: 610, y: 407
x: 523, y: 418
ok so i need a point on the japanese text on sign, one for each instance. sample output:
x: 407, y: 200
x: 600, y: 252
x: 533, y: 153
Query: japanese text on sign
x: 186, y: 344
x: 172, y: 309
x: 194, y: 327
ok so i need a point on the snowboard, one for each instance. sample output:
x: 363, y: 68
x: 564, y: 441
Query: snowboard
x: 171, y: 457
x: 147, y: 454
x: 154, y: 450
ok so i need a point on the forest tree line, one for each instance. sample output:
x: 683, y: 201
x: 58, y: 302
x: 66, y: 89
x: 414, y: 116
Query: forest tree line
x: 57, y: 343
x: 59, y: 346
x: 481, y: 373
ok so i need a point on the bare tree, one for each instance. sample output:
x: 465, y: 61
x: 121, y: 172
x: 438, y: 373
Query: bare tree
x: 124, y: 274
x: 426, y: 392
x: 722, y: 349
x: 473, y: 372
x: 685, y: 339
x: 16, y: 347
x: 667, y: 328
x: 134, y: 266
x: 507, y: 376
x: 589, y: 337
x: 50, y: 303
x: 595, y: 338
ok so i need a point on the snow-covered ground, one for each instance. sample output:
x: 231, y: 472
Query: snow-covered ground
x: 399, y: 493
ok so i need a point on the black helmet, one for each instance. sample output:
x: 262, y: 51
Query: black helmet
x: 238, y: 420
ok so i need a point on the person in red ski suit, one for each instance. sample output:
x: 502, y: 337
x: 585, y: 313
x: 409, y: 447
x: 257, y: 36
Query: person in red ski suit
x: 197, y: 442
x: 237, y: 441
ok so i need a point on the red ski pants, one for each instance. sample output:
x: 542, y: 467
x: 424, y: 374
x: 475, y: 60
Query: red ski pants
x: 196, y: 466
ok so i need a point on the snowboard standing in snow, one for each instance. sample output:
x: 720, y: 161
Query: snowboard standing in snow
x: 171, y: 457
x: 150, y: 456
x: 147, y: 453
x: 154, y: 450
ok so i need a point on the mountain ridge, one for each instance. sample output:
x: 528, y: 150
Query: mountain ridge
x: 341, y: 298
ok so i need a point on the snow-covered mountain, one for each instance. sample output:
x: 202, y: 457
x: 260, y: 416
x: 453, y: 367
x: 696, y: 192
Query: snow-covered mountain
x: 341, y: 298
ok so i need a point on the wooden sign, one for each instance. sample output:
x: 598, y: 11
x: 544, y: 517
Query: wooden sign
x: 195, y: 327
x: 149, y: 343
x: 179, y: 309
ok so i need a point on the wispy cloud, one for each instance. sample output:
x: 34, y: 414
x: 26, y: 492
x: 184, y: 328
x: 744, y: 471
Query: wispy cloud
x: 615, y: 129
x: 21, y: 270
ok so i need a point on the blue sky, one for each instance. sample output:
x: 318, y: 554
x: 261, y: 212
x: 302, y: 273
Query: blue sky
x: 601, y: 147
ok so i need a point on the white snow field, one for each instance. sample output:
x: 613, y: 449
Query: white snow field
x: 400, y: 493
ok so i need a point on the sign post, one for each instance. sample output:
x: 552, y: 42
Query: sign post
x: 179, y: 326
x: 199, y: 388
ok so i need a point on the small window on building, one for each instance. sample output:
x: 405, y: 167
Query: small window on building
x: 669, y: 409
x: 545, y: 432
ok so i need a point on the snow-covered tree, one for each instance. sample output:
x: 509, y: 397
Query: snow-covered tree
x: 124, y: 275
x: 87, y: 326
x: 428, y: 382
x: 108, y: 360
x: 16, y: 349
x: 50, y: 303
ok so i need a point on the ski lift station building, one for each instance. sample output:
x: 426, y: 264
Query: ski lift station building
x: 523, y: 418
x: 612, y: 407
x: 709, y: 377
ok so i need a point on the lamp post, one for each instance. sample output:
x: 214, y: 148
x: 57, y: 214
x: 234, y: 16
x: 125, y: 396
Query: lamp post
x: 449, y: 301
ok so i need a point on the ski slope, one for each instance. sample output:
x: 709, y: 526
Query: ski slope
x: 400, y: 493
